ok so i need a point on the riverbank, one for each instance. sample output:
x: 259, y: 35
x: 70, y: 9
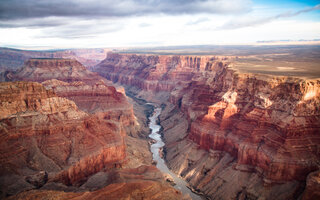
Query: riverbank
x: 155, y: 148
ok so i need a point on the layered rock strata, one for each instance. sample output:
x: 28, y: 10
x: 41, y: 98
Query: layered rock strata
x: 231, y: 135
x: 70, y: 79
x: 43, y: 132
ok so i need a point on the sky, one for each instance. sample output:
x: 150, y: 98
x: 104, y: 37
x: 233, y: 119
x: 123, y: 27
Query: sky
x: 47, y: 24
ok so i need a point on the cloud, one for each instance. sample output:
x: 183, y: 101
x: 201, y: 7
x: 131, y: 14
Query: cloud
x: 143, y: 25
x: 82, y: 29
x: 249, y: 22
x: 198, y: 21
x: 17, y: 9
x: 33, y: 23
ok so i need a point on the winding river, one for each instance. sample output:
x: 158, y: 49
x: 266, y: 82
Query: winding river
x: 161, y: 165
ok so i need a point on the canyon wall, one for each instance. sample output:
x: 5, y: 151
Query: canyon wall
x: 231, y: 135
x: 64, y: 128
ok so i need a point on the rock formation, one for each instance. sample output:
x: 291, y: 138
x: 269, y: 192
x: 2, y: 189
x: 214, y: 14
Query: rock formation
x: 231, y: 135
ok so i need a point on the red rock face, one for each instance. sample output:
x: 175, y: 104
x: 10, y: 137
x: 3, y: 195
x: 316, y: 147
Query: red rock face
x: 43, y: 132
x: 70, y: 79
x: 268, y: 125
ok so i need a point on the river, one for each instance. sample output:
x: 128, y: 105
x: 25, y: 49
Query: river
x: 161, y: 165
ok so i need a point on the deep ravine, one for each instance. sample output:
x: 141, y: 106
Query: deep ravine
x: 161, y: 165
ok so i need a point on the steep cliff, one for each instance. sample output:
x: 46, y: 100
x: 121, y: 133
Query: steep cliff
x: 43, y: 132
x: 231, y: 135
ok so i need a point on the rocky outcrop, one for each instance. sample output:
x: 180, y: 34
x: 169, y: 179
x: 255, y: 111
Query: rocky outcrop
x: 231, y: 135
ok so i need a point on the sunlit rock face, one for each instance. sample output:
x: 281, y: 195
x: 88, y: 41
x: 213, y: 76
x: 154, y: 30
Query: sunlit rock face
x: 229, y: 134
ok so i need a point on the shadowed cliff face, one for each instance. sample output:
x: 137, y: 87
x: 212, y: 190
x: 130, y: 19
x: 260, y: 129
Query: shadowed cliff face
x: 231, y: 135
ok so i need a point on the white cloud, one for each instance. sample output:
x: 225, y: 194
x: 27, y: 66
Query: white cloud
x: 249, y: 20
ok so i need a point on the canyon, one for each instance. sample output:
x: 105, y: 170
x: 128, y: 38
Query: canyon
x: 69, y: 133
x: 230, y: 132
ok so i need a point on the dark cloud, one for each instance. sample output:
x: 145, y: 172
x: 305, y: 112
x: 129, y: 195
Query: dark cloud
x: 22, y: 9
x: 238, y: 23
x: 82, y: 30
